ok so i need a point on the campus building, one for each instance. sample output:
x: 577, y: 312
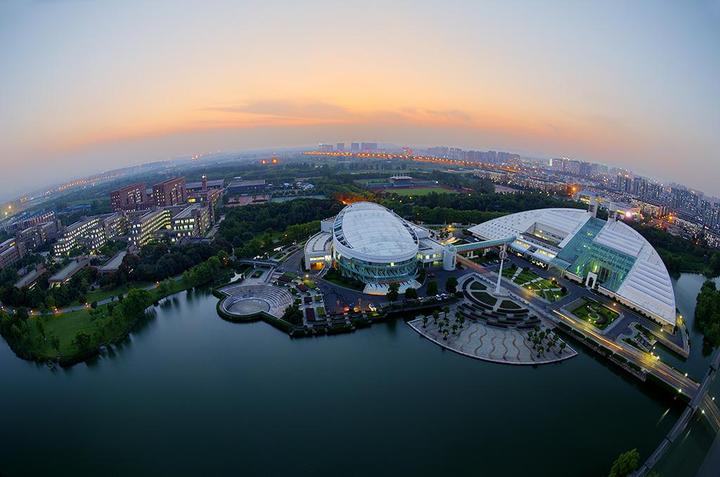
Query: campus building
x: 192, y: 221
x: 89, y: 232
x: 608, y: 256
x: 372, y: 244
x: 241, y: 187
x: 170, y: 192
x: 129, y: 198
x: 146, y: 226
x: 9, y: 253
x: 206, y: 191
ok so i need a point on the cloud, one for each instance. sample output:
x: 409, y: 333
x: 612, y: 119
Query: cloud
x: 286, y: 109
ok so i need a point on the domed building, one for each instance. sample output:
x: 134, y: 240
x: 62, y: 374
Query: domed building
x: 371, y: 244
x: 374, y: 245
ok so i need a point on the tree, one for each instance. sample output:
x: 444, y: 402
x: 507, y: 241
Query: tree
x: 411, y: 294
x: 55, y: 342
x: 446, y: 310
x: 392, y: 293
x: 82, y: 341
x: 432, y: 288
x: 436, y: 315
x: 625, y: 463
x: 424, y: 321
x: 451, y: 285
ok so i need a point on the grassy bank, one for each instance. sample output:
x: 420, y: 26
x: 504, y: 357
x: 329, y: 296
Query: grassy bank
x: 69, y: 338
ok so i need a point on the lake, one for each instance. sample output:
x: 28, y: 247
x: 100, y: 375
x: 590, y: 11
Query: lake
x: 189, y: 393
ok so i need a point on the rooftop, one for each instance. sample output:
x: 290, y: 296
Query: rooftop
x: 637, y: 274
x: 373, y: 232
x: 241, y: 183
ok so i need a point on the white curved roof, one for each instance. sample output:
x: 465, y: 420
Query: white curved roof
x: 647, y: 285
x: 370, y: 232
x: 565, y: 221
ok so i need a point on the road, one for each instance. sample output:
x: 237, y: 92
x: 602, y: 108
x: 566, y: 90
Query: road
x: 652, y: 364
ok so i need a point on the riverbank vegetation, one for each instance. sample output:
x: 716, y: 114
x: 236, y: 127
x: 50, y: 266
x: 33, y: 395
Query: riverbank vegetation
x: 68, y: 338
x: 707, y: 313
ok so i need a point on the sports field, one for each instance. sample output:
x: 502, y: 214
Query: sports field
x: 410, y: 191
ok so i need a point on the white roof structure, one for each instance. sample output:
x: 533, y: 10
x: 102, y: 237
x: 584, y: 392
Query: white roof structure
x: 544, y: 233
x: 372, y: 233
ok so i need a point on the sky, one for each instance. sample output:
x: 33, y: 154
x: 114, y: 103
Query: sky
x: 88, y: 86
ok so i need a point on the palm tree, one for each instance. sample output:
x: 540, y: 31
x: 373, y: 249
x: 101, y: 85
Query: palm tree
x: 436, y: 315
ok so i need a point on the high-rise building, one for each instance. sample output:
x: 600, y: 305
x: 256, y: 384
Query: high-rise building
x: 586, y: 169
x: 129, y: 198
x: 340, y: 147
x: 355, y: 147
x: 325, y: 147
x: 170, y: 192
x: 368, y: 146
x: 623, y: 183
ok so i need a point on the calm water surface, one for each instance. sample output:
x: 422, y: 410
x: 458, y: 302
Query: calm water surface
x: 190, y: 393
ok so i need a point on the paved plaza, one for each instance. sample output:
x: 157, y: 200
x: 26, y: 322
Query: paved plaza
x: 497, y: 345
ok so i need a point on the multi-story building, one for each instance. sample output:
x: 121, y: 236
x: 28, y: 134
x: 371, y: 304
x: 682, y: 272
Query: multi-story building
x: 340, y: 147
x: 325, y: 147
x: 368, y: 146
x: 31, y: 220
x: 129, y: 198
x: 89, y: 232
x: 114, y: 225
x: 170, y: 192
x: 9, y: 253
x: 239, y: 187
x: 205, y: 192
x: 355, y: 147
x: 146, y: 226
x: 203, y: 185
x: 192, y: 221
x: 34, y: 237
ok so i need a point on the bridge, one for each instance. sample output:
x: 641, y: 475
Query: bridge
x: 468, y: 247
x: 259, y: 263
x: 701, y: 401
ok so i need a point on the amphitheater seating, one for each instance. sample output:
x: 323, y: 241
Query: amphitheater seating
x: 278, y: 299
x: 512, y: 316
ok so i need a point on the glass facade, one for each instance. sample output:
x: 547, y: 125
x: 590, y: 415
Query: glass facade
x: 369, y: 272
x: 582, y: 255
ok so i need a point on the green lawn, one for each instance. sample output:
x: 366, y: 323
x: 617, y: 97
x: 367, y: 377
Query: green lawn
x: 96, y: 323
x: 484, y: 297
x: 103, y: 293
x: 510, y: 305
x: 540, y: 286
x: 477, y: 286
x: 508, y: 272
x: 595, y: 313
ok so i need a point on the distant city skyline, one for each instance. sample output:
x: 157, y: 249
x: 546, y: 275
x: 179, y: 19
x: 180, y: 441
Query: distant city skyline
x: 89, y: 87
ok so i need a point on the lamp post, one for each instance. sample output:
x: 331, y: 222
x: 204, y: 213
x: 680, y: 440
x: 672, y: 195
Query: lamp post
x: 503, y: 255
